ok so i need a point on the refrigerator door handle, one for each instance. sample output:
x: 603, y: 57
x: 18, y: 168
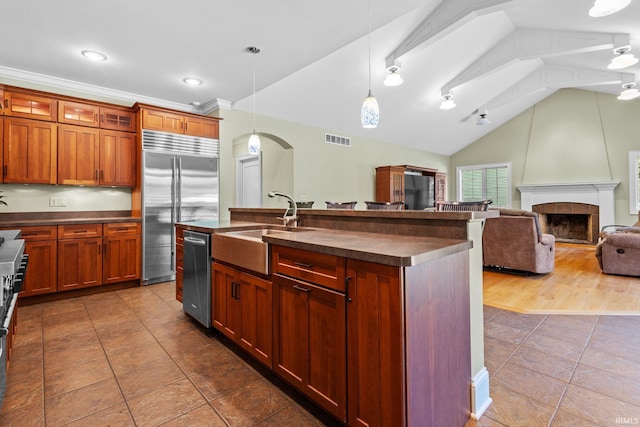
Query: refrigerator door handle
x: 179, y: 188
x: 174, y: 217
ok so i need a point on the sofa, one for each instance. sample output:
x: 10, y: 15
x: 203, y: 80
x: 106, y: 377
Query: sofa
x: 618, y: 251
x: 515, y: 241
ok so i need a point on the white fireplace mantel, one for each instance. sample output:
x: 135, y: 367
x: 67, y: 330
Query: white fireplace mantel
x: 594, y: 193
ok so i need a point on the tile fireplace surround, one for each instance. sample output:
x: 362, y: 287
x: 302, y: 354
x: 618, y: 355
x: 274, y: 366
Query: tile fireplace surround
x: 594, y: 193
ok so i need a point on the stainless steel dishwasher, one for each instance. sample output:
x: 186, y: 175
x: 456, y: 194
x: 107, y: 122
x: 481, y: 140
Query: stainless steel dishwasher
x: 196, y: 291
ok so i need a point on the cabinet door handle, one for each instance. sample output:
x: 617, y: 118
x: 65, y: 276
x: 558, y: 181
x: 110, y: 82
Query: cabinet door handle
x: 303, y: 264
x: 96, y: 174
x: 96, y: 117
x: 300, y: 288
x: 102, y: 118
x: 347, y: 280
x: 234, y: 290
x: 5, y: 170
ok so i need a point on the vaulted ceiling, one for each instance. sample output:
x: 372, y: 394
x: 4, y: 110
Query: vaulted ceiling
x: 494, y: 56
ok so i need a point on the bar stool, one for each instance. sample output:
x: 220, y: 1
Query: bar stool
x: 385, y: 206
x: 341, y: 205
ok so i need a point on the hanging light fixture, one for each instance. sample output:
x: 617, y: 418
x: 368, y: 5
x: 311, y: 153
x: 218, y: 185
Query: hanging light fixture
x: 629, y: 92
x: 483, y: 118
x: 370, y: 113
x: 447, y: 102
x: 254, y: 140
x: 623, y: 59
x: 607, y: 7
x: 394, y: 78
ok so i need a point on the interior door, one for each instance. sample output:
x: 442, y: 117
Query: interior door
x: 249, y: 182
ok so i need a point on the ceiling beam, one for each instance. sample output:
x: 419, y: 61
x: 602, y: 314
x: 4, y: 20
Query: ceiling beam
x: 524, y: 44
x: 550, y: 76
x: 445, y: 18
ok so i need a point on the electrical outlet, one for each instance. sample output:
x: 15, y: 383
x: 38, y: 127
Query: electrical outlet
x: 57, y: 201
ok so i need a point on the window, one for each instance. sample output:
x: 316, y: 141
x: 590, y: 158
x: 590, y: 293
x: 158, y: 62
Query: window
x: 482, y: 182
x: 634, y: 182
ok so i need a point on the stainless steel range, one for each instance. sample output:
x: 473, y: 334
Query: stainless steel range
x: 13, y: 267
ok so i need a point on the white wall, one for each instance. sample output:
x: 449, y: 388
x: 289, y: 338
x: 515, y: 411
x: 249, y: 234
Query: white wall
x: 321, y: 171
x: 571, y: 136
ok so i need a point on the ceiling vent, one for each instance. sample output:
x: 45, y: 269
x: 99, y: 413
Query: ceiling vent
x: 337, y: 140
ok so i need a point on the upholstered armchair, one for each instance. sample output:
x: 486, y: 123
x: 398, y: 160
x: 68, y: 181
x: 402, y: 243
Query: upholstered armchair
x: 618, y: 251
x: 515, y: 241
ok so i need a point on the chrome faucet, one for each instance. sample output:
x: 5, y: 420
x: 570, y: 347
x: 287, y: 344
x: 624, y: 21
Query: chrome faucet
x: 287, y: 220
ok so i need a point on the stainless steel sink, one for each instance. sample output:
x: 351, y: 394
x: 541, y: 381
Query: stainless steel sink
x: 245, y: 248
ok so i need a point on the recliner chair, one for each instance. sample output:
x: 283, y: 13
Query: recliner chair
x: 618, y: 251
x: 515, y: 241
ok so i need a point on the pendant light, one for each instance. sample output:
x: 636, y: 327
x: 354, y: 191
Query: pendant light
x: 254, y: 140
x: 370, y: 113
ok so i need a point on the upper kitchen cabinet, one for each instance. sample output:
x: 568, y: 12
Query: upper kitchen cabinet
x: 177, y: 122
x: 89, y: 156
x: 202, y: 127
x: 77, y: 113
x: 30, y: 151
x: 30, y: 106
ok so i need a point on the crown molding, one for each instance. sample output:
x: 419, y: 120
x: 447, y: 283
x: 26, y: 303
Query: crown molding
x: 98, y: 91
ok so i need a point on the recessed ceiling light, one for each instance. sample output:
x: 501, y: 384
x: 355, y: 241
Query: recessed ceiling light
x: 93, y: 55
x: 192, y: 81
x: 195, y: 103
x: 607, y: 7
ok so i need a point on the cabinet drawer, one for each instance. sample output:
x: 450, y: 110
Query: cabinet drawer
x: 38, y: 233
x: 314, y: 267
x: 77, y: 231
x: 121, y: 228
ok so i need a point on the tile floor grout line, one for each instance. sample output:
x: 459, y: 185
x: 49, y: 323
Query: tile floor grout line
x: 564, y: 392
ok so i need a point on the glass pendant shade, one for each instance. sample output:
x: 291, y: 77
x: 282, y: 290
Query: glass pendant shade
x: 393, y: 79
x: 629, y: 94
x: 254, y: 144
x: 622, y: 61
x: 607, y: 7
x: 447, y: 103
x: 370, y: 113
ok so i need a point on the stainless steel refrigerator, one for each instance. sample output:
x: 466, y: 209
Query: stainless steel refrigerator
x: 180, y: 184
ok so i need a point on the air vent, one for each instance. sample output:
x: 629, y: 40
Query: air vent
x: 337, y: 140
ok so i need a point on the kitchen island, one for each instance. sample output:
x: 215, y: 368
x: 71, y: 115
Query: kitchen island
x: 374, y: 327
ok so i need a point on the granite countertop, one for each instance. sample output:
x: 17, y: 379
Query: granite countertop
x: 389, y: 249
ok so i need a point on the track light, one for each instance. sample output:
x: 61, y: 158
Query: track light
x: 447, y: 103
x: 623, y: 59
x: 629, y: 92
x: 393, y: 78
x: 607, y: 7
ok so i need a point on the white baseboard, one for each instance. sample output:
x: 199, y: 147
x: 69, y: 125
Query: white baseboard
x: 480, y: 399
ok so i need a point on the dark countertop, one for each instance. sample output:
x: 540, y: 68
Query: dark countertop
x: 26, y: 219
x: 389, y: 249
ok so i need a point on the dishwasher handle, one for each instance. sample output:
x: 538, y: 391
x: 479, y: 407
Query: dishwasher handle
x: 195, y: 241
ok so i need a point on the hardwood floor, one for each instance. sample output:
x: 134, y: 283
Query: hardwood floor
x: 576, y: 286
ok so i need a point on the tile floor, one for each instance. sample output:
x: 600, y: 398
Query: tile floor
x: 131, y: 358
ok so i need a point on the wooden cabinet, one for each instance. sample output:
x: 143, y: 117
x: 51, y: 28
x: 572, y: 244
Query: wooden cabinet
x: 79, y: 256
x: 180, y: 262
x: 98, y: 254
x: 30, y: 151
x: 77, y: 113
x: 391, y: 185
x: 174, y: 122
x: 206, y: 128
x: 310, y: 326
x: 30, y: 106
x: 162, y: 121
x: 242, y: 307
x: 375, y: 341
x: 41, y: 246
x: 92, y: 115
x: 121, y: 252
x: 117, y: 159
x: 78, y: 155
x: 88, y: 156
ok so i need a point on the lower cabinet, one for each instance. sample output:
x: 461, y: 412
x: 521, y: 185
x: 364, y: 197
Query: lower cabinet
x: 242, y: 307
x: 179, y: 262
x: 65, y: 257
x: 41, y: 243
x: 310, y: 341
x: 79, y: 263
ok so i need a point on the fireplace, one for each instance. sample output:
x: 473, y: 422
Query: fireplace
x: 569, y: 222
x: 593, y: 201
